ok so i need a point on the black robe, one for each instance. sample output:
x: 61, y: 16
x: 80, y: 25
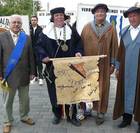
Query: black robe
x: 48, y: 47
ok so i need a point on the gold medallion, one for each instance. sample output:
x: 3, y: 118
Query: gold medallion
x: 64, y: 47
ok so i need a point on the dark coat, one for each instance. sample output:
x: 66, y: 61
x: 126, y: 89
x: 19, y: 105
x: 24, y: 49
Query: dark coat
x: 34, y: 37
x: 20, y: 76
x: 48, y: 47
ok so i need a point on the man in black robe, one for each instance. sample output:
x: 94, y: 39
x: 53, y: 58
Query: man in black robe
x: 58, y: 40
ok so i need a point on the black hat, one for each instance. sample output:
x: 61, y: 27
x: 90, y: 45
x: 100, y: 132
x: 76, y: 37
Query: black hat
x: 57, y: 10
x: 104, y: 6
x: 130, y: 10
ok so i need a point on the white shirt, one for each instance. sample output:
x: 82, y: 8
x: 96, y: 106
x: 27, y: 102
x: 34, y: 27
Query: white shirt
x: 34, y: 28
x: 134, y: 31
x: 14, y: 37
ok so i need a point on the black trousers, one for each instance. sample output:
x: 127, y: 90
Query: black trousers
x: 127, y: 117
x: 74, y: 111
x: 39, y: 68
x: 38, y: 65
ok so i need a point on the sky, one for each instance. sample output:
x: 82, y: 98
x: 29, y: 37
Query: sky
x: 72, y: 4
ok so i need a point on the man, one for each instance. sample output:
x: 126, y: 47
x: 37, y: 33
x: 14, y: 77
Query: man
x: 58, y: 40
x: 127, y: 101
x: 35, y: 30
x: 16, y: 68
x: 100, y: 38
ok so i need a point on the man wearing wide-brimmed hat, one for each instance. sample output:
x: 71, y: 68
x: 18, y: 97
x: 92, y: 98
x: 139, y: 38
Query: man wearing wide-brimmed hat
x: 127, y: 102
x: 100, y: 38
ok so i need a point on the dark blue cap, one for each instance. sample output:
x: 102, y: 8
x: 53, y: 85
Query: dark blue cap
x: 57, y: 10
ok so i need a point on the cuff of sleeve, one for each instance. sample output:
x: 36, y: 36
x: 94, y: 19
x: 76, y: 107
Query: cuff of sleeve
x: 113, y: 61
x: 117, y: 65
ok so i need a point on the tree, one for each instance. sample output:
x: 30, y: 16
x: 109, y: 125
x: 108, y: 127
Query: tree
x: 36, y: 6
x: 22, y: 7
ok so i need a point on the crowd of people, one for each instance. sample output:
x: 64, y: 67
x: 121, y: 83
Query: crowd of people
x: 22, y: 63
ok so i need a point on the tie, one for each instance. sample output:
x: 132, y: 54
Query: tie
x: 15, y: 37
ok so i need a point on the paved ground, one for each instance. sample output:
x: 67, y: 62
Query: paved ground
x: 41, y: 112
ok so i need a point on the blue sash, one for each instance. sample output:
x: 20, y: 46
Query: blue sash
x: 16, y: 54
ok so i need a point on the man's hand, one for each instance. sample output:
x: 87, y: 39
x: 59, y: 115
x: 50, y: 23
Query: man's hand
x: 1, y: 78
x: 46, y: 60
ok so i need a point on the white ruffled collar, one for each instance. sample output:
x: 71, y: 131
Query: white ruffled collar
x: 49, y: 32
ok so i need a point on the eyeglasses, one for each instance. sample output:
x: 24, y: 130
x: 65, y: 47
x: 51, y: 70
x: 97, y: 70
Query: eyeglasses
x: 16, y: 22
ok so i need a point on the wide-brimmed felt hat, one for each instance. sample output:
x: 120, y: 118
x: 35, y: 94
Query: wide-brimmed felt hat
x: 130, y: 10
x: 104, y: 6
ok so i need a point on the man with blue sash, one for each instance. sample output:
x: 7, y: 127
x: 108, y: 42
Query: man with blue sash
x: 16, y: 70
x: 127, y: 102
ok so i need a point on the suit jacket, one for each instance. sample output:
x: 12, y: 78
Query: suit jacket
x: 20, y: 76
